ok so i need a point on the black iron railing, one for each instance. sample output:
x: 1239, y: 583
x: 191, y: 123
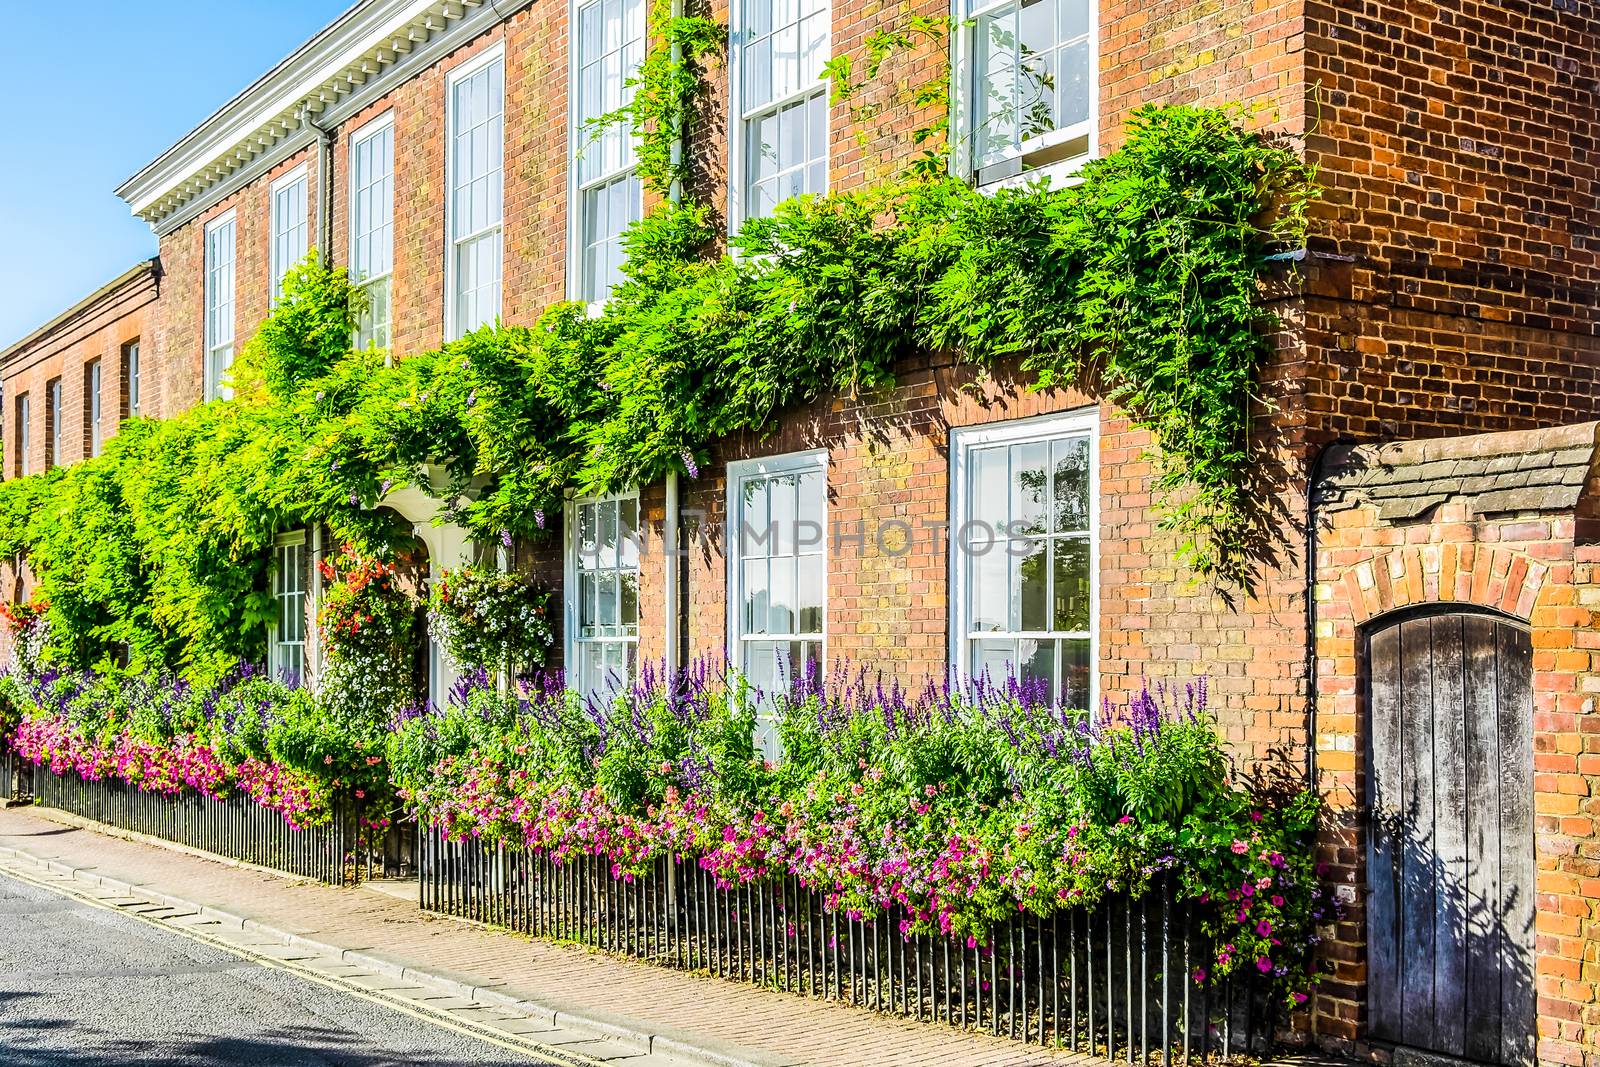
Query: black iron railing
x: 1111, y: 981
x: 236, y: 828
x: 16, y: 776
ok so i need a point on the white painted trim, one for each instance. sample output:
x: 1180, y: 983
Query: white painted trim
x: 815, y: 459
x: 345, y: 66
x: 575, y: 143
x: 1058, y: 174
x: 289, y: 539
x: 569, y: 571
x: 275, y: 270
x: 495, y: 53
x: 360, y: 137
x: 738, y: 114
x: 1077, y: 422
x: 209, y: 389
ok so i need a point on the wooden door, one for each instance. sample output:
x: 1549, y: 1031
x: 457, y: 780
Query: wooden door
x: 1450, y: 850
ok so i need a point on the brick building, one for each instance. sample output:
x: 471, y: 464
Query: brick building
x: 1449, y: 289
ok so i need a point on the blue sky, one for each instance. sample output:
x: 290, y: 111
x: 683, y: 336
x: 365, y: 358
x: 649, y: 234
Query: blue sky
x: 97, y: 90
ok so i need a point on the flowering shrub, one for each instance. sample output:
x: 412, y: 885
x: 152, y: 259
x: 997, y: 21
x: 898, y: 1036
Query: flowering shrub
x: 30, y: 629
x: 368, y: 623
x: 958, y: 807
x: 243, y: 732
x: 488, y: 619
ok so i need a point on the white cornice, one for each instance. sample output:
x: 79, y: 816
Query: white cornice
x: 363, y: 48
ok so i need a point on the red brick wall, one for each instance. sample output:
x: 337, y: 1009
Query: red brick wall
x: 179, y: 373
x: 534, y: 227
x: 1454, y: 144
x: 99, y: 331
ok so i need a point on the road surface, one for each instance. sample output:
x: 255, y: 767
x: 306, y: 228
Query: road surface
x: 82, y: 984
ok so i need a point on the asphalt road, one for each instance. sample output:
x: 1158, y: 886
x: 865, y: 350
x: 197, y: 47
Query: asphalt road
x: 81, y: 985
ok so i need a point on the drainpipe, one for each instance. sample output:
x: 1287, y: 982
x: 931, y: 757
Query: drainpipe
x: 324, y: 184
x: 674, y: 619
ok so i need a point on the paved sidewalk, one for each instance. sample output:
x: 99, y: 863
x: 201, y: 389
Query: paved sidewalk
x: 657, y: 1009
x: 127, y: 990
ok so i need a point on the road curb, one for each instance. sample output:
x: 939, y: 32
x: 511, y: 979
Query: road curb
x: 683, y: 1046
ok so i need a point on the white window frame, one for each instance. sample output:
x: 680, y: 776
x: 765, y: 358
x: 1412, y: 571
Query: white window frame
x: 1013, y: 170
x: 382, y: 124
x: 577, y: 188
x: 24, y: 410
x: 217, y: 361
x: 740, y: 116
x: 55, y: 396
x: 453, y: 328
x: 282, y: 258
x: 1078, y: 423
x: 94, y: 383
x: 276, y: 649
x: 130, y: 365
x: 811, y: 460
x: 572, y: 643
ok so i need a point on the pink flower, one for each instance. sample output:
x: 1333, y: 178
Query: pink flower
x: 1264, y: 965
x: 1264, y: 928
x: 1239, y: 847
x: 1199, y: 975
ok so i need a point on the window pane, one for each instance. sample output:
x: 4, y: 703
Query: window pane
x: 1075, y: 86
x: 810, y: 586
x: 995, y: 83
x: 1072, y: 586
x: 760, y: 664
x: 994, y: 661
x: 608, y: 597
x: 782, y: 493
x: 628, y: 532
x: 608, y: 533
x: 1071, y: 484
x: 1036, y: 662
x: 990, y: 569
x: 628, y: 614
x: 1075, y: 673
x: 757, y: 611
x: 1031, y: 576
x: 588, y: 533
x: 989, y: 493
x: 588, y: 589
x: 781, y: 595
x: 754, y: 536
x: 1029, y: 490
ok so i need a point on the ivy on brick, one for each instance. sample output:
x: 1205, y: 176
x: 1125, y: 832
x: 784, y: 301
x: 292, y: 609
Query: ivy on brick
x: 1141, y: 282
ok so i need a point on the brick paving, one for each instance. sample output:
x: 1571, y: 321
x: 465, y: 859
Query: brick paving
x: 725, y: 1019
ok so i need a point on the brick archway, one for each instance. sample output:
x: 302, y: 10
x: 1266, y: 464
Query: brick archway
x: 1487, y: 523
x: 1506, y: 579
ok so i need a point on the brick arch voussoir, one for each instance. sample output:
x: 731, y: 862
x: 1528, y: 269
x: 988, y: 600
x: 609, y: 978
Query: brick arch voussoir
x: 1487, y: 576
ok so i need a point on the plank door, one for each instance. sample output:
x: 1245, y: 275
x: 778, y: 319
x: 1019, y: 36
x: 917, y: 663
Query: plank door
x: 1450, y: 849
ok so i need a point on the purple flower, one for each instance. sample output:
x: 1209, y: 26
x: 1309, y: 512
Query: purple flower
x: 505, y: 538
x: 690, y: 465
